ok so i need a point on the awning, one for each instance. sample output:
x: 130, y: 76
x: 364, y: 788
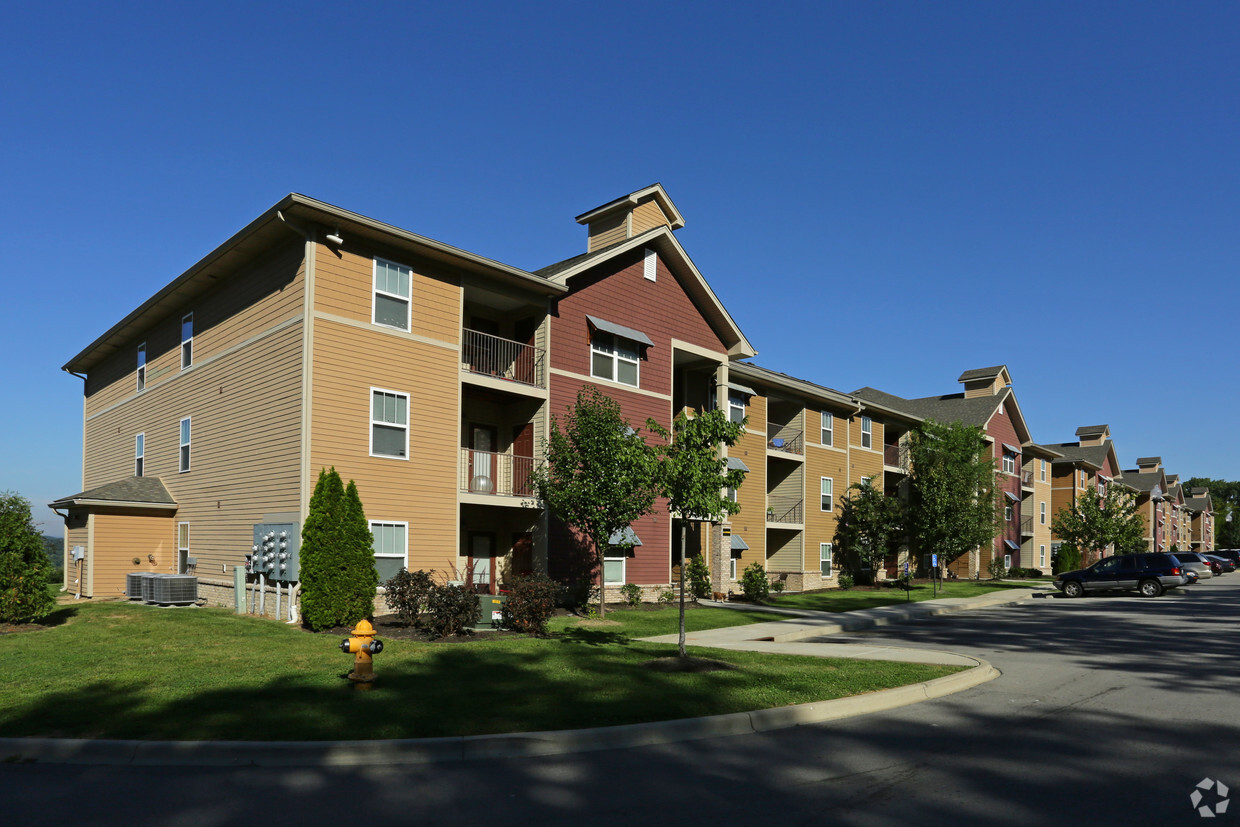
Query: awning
x: 742, y: 389
x: 619, y: 330
x: 627, y: 537
x: 1011, y: 496
x: 739, y: 544
x: 1012, y: 544
x: 735, y: 464
x: 1012, y: 449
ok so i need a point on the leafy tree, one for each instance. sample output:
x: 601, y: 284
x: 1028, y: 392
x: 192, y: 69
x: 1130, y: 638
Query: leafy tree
x: 23, y: 563
x: 338, y: 576
x: 1093, y: 523
x: 868, y: 522
x: 599, y: 474
x: 693, y: 475
x: 955, y: 502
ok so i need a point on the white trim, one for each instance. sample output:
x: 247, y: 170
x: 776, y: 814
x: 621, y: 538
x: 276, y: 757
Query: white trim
x: 732, y: 567
x: 404, y: 554
x: 182, y: 547
x: 624, y: 571
x: 1041, y: 556
x: 867, y: 436
x: 375, y: 291
x: 1042, y: 477
x: 141, y: 369
x: 609, y: 384
x: 187, y: 345
x: 185, y: 435
x: 139, y: 453
x: 826, y: 424
x: 649, y: 263
x: 830, y: 494
x: 370, y: 413
x: 829, y: 559
x: 616, y: 358
x: 1042, y: 513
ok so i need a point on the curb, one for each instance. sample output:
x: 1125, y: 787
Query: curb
x: 477, y: 747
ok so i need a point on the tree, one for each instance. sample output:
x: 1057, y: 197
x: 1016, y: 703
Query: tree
x: 1225, y: 499
x: 338, y: 576
x: 23, y: 563
x: 867, y: 523
x: 1092, y: 523
x: 599, y: 474
x: 954, y: 504
x: 693, y: 475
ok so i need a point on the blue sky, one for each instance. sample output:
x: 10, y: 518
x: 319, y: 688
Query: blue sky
x: 881, y: 193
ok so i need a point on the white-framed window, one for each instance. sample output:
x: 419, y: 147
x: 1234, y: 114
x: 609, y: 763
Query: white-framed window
x: 730, y: 493
x: 1009, y: 462
x: 613, y: 570
x: 1042, y: 513
x: 1007, y: 561
x: 1043, y: 469
x: 650, y: 265
x: 732, y: 568
x: 1082, y: 479
x: 1041, y: 557
x: 824, y: 558
x: 865, y: 480
x: 867, y: 432
x: 139, y: 453
x: 614, y: 358
x: 736, y: 406
x: 389, y: 424
x: 827, y: 490
x: 182, y: 548
x: 1007, y: 513
x: 142, y: 366
x: 828, y: 428
x: 187, y: 340
x: 391, y: 545
x: 391, y: 306
x: 183, y: 464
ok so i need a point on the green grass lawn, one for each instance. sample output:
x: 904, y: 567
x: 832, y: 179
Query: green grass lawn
x: 115, y: 670
x: 863, y: 597
x: 666, y: 620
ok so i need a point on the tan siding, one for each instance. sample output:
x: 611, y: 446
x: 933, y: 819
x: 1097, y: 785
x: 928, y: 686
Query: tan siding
x: 422, y: 490
x: 344, y: 286
x: 648, y: 216
x: 819, y: 524
x: 77, y: 533
x: 122, y: 538
x: 750, y: 521
x: 786, y: 552
x: 607, y: 231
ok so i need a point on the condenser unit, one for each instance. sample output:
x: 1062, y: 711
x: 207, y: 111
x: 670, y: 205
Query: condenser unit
x: 174, y: 588
x: 133, y: 584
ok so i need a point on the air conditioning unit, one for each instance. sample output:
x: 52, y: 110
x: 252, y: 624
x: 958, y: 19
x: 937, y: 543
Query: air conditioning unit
x: 148, y: 586
x: 174, y: 588
x: 133, y: 584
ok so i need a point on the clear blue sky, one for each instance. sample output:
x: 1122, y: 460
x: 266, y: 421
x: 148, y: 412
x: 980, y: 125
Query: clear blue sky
x: 882, y: 193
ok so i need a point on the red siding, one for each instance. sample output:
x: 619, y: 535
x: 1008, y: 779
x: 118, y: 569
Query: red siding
x: 1002, y: 431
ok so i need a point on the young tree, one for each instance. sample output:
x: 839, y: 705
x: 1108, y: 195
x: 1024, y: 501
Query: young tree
x: 867, y: 523
x: 338, y: 575
x: 23, y: 563
x: 1093, y: 523
x: 598, y: 476
x: 693, y: 475
x: 955, y: 502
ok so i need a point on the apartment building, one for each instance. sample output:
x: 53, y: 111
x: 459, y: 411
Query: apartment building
x: 1086, y: 467
x: 1201, y: 520
x: 1150, y: 483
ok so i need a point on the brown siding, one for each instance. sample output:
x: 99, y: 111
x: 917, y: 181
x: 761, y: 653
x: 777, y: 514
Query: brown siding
x: 120, y: 538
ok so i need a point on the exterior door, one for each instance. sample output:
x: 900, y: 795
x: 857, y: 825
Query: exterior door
x: 482, y: 558
x: 482, y: 458
x: 522, y: 459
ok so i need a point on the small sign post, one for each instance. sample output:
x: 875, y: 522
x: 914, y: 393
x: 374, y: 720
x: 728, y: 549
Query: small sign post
x: 934, y: 574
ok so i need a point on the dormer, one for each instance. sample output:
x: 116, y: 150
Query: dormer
x: 629, y: 216
x: 1093, y: 434
x: 985, y: 381
x: 1149, y: 464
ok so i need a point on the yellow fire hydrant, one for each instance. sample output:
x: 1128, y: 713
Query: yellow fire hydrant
x: 363, y: 647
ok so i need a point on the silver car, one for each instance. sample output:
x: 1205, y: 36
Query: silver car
x: 1195, y: 562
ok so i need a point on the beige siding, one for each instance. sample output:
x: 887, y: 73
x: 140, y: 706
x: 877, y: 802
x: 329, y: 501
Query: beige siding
x: 77, y: 533
x: 121, y: 538
x: 865, y: 462
x: 421, y: 490
x: 608, y: 231
x: 819, y: 524
x: 750, y: 521
x: 785, y: 551
x: 648, y: 216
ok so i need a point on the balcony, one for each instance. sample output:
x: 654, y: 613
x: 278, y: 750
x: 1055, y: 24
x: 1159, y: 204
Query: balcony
x: 784, y: 509
x: 501, y: 475
x: 1026, y: 526
x: 896, y: 456
x: 787, y: 440
x: 1026, y: 479
x: 486, y: 355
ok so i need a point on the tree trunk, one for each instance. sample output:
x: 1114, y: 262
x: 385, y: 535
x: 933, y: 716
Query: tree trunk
x: 684, y: 538
x: 602, y: 589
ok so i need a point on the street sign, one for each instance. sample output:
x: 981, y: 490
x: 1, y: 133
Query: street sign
x: 906, y: 566
x: 934, y: 560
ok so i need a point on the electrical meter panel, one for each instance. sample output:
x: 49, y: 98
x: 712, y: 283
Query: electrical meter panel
x: 275, y: 551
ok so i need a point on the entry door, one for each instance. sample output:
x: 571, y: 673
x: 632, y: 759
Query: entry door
x: 482, y: 556
x: 522, y: 459
x: 482, y: 440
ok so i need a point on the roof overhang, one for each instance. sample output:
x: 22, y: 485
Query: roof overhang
x: 764, y: 377
x: 86, y: 502
x: 653, y: 192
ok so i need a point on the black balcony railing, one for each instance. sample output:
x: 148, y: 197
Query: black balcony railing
x: 896, y: 456
x: 783, y: 509
x: 505, y: 475
x: 488, y: 355
x: 1026, y: 479
x: 788, y: 440
x: 1026, y: 524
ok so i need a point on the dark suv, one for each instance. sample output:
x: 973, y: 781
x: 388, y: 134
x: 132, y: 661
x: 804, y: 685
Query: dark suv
x: 1150, y: 574
x: 1229, y: 553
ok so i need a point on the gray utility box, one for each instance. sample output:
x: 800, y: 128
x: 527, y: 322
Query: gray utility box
x: 133, y: 584
x: 168, y: 589
x: 492, y: 608
x: 274, y: 553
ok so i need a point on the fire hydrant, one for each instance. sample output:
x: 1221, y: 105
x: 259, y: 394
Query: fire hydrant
x: 363, y: 646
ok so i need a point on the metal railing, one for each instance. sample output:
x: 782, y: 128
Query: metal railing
x: 504, y: 475
x: 1026, y: 479
x: 488, y: 355
x: 785, y: 509
x: 896, y: 456
x: 788, y: 440
x: 1026, y: 524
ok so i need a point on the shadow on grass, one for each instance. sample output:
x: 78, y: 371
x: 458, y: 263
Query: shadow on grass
x: 593, y: 637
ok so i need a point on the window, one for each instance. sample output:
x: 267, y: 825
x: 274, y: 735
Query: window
x: 1041, y: 557
x: 1009, y: 462
x: 184, y: 462
x: 867, y: 432
x: 1007, y: 561
x: 1042, y: 513
x: 824, y: 558
x: 828, y: 428
x: 142, y: 366
x: 389, y: 424
x: 828, y: 489
x: 1007, y: 513
x: 865, y: 481
x: 139, y: 449
x: 391, y: 548
x: 1082, y: 479
x: 391, y: 305
x: 187, y: 340
x: 649, y: 265
x: 182, y: 548
x: 1043, y: 470
x: 736, y: 406
x: 730, y: 493
x: 613, y: 569
x: 615, y: 358
x: 732, y: 568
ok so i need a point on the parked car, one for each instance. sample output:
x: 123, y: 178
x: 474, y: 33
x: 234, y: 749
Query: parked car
x: 1224, y: 565
x: 1149, y: 573
x: 1231, y: 554
x: 1193, y: 560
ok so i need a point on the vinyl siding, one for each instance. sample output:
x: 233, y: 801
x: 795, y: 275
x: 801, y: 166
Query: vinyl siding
x: 120, y: 538
x: 607, y: 231
x: 648, y: 216
x: 750, y: 521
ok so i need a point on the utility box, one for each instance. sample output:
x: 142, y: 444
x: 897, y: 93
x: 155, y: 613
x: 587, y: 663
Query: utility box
x: 275, y: 551
x: 133, y: 584
x: 492, y: 611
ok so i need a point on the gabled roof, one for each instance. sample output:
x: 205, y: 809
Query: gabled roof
x: 131, y: 492
x: 1200, y: 501
x: 1149, y: 461
x: 1092, y: 430
x: 1095, y: 456
x: 1145, y: 481
x: 950, y: 408
x: 1043, y: 451
x: 982, y: 373
x: 677, y: 260
x: 626, y: 202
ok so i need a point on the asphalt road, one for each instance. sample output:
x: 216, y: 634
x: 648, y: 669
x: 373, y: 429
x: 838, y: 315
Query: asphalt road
x: 1110, y: 710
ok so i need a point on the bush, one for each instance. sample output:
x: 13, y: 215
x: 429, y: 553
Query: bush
x: 338, y: 576
x: 668, y: 596
x: 1068, y: 559
x: 777, y: 586
x: 845, y: 580
x: 452, y: 610
x: 531, y: 602
x: 55, y: 576
x: 632, y: 594
x: 408, y: 594
x: 698, y: 576
x: 754, y: 583
x: 997, y: 570
x: 23, y: 564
